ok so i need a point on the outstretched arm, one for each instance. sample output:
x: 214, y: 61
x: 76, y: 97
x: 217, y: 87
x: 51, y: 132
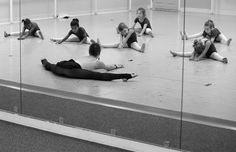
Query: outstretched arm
x: 64, y: 39
x: 101, y: 65
x: 133, y: 26
x: 197, y: 35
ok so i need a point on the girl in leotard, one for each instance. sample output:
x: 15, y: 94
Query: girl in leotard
x: 144, y: 23
x: 82, y: 36
x: 29, y: 29
x: 203, y: 48
x: 128, y: 39
x: 210, y: 32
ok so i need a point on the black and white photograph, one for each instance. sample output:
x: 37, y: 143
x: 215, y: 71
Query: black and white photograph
x: 118, y: 76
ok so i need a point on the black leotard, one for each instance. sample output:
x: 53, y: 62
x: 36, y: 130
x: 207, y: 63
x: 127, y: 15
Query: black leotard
x: 81, y: 33
x: 145, y: 21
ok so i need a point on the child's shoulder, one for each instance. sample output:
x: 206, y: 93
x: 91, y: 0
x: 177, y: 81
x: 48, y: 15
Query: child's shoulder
x: 131, y: 30
x: 146, y: 19
x: 81, y: 28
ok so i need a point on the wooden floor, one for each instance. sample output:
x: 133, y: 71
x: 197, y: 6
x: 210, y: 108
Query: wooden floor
x: 159, y: 82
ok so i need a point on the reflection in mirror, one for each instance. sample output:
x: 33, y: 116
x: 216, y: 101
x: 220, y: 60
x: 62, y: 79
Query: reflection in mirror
x: 102, y: 65
x: 209, y: 76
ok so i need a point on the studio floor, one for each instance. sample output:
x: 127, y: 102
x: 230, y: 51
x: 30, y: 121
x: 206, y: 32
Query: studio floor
x: 209, y: 86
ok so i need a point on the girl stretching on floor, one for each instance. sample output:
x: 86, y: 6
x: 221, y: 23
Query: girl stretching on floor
x: 203, y: 48
x: 81, y: 35
x: 144, y: 22
x: 71, y: 69
x: 211, y: 33
x: 32, y: 30
x: 92, y: 62
x: 128, y: 39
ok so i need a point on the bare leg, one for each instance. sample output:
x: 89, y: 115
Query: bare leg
x: 223, y: 39
x: 110, y: 46
x: 89, y: 41
x: 181, y: 54
x: 138, y: 30
x: 137, y: 47
x: 14, y: 34
x: 216, y: 56
x: 73, y: 39
x: 40, y: 34
x: 149, y: 32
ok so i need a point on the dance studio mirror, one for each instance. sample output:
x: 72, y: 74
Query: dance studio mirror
x: 75, y: 70
x: 10, y: 76
x: 119, y: 68
x: 209, y: 76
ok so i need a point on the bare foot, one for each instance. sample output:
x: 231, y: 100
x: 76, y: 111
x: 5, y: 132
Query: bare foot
x: 173, y: 53
x: 5, y: 34
x: 225, y: 60
x: 54, y: 40
x: 143, y: 48
x: 228, y: 42
x: 151, y: 34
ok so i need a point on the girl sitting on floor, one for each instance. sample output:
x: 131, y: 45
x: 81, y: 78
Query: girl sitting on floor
x: 203, y: 48
x: 29, y: 29
x: 128, y: 39
x: 82, y: 36
x: 144, y: 23
x: 210, y: 32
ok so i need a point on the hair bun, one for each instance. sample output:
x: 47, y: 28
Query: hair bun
x: 76, y: 19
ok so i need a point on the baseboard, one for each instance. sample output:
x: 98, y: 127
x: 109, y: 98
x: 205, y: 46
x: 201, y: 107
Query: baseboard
x: 80, y: 133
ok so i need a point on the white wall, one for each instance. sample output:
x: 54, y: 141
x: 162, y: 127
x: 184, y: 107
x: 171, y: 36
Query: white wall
x: 74, y: 6
x: 37, y: 8
x: 197, y: 4
x: 166, y: 5
x: 112, y: 5
x: 227, y: 7
x: 4, y: 11
x: 45, y: 8
x: 140, y: 3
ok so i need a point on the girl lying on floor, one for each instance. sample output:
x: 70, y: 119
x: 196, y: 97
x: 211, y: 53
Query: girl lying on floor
x: 203, y: 48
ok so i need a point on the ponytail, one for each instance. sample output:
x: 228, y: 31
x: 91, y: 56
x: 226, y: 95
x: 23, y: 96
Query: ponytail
x: 26, y: 21
x: 74, y: 22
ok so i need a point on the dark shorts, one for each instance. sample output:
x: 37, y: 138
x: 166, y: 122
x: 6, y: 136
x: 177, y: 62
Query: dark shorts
x: 211, y: 50
x: 132, y: 39
x: 70, y: 64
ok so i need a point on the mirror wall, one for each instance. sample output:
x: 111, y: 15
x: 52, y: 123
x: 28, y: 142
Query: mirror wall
x: 92, y: 65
